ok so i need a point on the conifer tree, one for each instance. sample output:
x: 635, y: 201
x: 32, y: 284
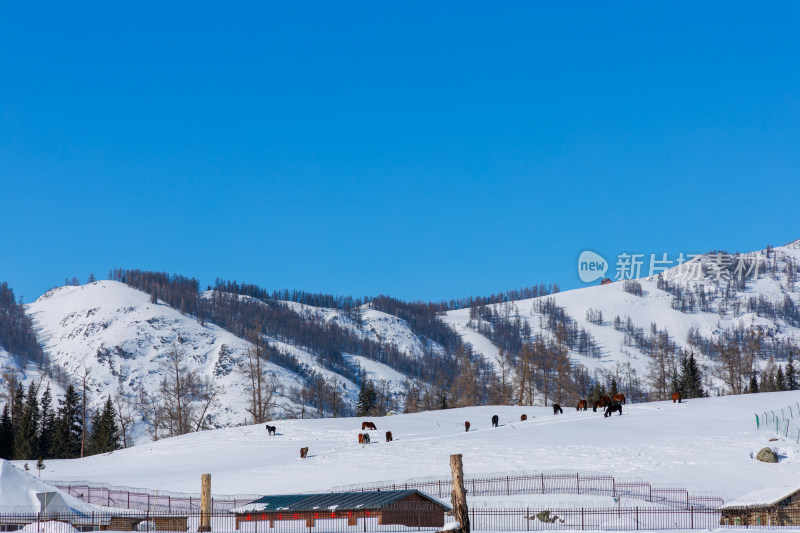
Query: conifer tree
x: 780, y: 379
x: 26, y: 439
x: 367, y: 398
x: 46, y: 424
x: 104, y: 434
x: 690, y: 382
x: 6, y: 434
x: 67, y: 436
x: 753, y: 384
x: 791, y: 374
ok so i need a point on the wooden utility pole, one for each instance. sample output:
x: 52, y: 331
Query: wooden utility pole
x: 459, y: 496
x: 205, y: 503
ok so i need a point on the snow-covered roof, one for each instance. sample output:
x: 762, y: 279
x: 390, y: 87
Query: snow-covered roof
x: 19, y: 493
x: 763, y: 497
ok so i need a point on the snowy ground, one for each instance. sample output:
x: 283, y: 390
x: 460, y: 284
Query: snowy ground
x: 702, y: 445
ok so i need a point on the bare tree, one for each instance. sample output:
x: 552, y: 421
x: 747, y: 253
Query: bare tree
x: 124, y: 417
x: 185, y: 396
x: 263, y: 387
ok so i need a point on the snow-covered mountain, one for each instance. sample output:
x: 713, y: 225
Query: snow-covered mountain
x: 120, y: 340
x: 711, y: 295
x: 114, y: 332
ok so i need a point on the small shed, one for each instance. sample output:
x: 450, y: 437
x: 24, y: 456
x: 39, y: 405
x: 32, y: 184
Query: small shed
x: 411, y: 508
x: 772, y: 506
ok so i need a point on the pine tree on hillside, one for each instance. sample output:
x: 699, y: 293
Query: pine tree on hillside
x: 104, y: 435
x: 690, y: 381
x: 17, y: 406
x: 47, y: 424
x: 67, y: 435
x: 753, y: 384
x: 780, y: 379
x: 26, y: 439
x: 367, y: 398
x: 791, y: 374
x: 613, y: 392
x: 6, y: 434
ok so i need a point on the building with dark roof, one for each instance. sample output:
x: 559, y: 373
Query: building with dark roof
x: 412, y: 508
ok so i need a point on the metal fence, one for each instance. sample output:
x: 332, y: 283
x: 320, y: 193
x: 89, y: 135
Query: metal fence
x: 326, y: 521
x: 148, y: 500
x: 781, y: 422
x: 556, y: 483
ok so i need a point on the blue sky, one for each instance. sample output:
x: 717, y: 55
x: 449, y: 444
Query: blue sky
x: 423, y: 151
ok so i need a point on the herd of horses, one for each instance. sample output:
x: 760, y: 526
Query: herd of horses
x: 611, y: 406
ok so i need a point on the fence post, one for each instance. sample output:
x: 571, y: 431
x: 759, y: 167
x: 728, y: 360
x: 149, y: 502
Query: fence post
x: 527, y: 519
x: 542, y: 482
x: 691, y: 517
x: 581, y: 518
x: 637, y: 517
x: 578, y: 482
x: 508, y: 486
x: 613, y: 487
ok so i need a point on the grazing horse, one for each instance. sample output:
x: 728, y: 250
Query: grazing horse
x: 582, y: 405
x: 557, y: 409
x: 619, y: 398
x: 676, y: 396
x: 361, y: 438
x: 495, y: 421
x: 605, y: 401
x: 303, y: 452
x: 466, y: 425
x: 389, y: 436
x: 271, y: 429
x: 523, y: 418
x: 366, y: 438
x: 367, y: 425
x: 613, y: 408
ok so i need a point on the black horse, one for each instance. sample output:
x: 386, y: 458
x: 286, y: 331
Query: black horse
x: 557, y: 409
x: 271, y: 429
x: 611, y: 409
x: 495, y: 421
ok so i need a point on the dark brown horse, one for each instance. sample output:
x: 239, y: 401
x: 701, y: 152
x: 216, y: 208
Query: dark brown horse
x: 495, y: 421
x: 523, y: 418
x: 676, y: 397
x: 367, y: 425
x: 612, y: 409
x: 582, y: 405
x: 271, y: 429
x: 619, y: 398
x: 557, y: 409
x: 366, y: 438
x: 466, y: 425
x: 605, y: 401
x: 303, y: 452
x: 388, y: 436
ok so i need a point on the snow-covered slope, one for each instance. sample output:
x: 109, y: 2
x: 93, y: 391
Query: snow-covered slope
x: 122, y: 339
x: 701, y: 444
x: 679, y: 302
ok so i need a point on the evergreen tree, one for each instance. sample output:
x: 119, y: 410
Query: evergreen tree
x: 613, y: 387
x: 780, y: 379
x: 753, y: 384
x: 367, y: 398
x: 791, y: 374
x: 47, y: 424
x: 690, y: 381
x: 104, y: 434
x: 67, y: 436
x: 6, y: 434
x: 26, y: 439
x: 17, y: 406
